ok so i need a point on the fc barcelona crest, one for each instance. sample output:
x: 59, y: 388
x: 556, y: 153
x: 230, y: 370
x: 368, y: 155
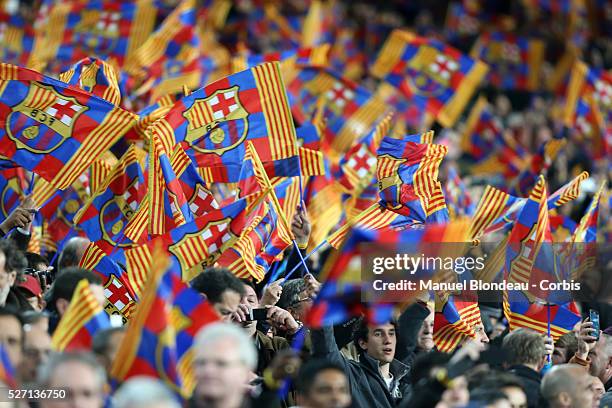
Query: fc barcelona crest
x: 116, y: 213
x: 98, y: 32
x: 430, y: 73
x: 43, y: 120
x: 207, y: 132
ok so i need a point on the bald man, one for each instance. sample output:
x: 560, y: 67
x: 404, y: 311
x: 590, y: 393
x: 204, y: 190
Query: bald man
x: 567, y: 386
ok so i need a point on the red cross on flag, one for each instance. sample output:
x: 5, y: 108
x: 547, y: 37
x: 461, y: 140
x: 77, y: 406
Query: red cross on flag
x: 211, y: 236
x: 223, y: 104
x: 362, y: 162
x: 339, y: 94
x: 444, y: 67
x: 202, y: 202
x: 64, y: 110
x: 116, y: 294
x: 109, y: 21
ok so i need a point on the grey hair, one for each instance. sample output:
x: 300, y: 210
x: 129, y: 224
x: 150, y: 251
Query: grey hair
x: 72, y: 252
x: 290, y: 295
x: 560, y: 378
x: 141, y: 392
x: 47, y: 370
x: 524, y: 346
x: 216, y: 332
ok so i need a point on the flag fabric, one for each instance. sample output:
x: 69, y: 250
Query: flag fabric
x: 69, y: 31
x: 159, y: 338
x: 109, y: 209
x: 7, y: 370
x: 433, y: 75
x: 515, y: 61
x: 52, y: 129
x: 289, y: 60
x: 81, y: 321
x: 455, y: 319
x: 120, y: 296
x: 12, y: 187
x: 540, y: 162
x: 458, y: 199
x: 407, y: 174
x: 94, y: 76
x: 213, y: 123
x: 16, y: 38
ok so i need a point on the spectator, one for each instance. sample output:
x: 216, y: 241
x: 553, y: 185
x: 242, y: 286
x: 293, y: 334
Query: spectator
x: 7, y: 276
x: 601, y: 360
x: 223, y: 362
x: 377, y: 379
x: 565, y: 347
x: 222, y: 289
x: 71, y: 254
x: 105, y: 345
x: 144, y: 392
x: 526, y: 355
x: 489, y: 398
x: 323, y: 384
x: 505, y: 382
x: 39, y: 320
x: 79, y: 374
x: 31, y: 290
x: 598, y: 391
x: 36, y: 351
x: 297, y: 296
x: 425, y: 336
x: 567, y: 386
x: 11, y: 334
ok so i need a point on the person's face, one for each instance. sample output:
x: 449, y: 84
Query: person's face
x: 300, y: 309
x: 584, y: 392
x: 425, y: 337
x: 36, y: 350
x: 6, y: 279
x: 329, y: 389
x: 381, y: 343
x: 600, y: 361
x: 11, y: 338
x: 481, y: 335
x: 250, y: 297
x: 113, y: 347
x: 218, y: 370
x: 516, y: 396
x: 228, y: 305
x: 83, y: 387
x: 559, y: 355
x: 457, y: 394
x: 598, y: 391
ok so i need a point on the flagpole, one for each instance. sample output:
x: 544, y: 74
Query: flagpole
x: 306, y: 257
x: 548, y: 325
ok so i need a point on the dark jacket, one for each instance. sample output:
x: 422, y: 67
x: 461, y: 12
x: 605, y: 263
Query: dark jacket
x: 531, y: 383
x: 367, y: 386
x: 410, y: 322
x: 267, y: 347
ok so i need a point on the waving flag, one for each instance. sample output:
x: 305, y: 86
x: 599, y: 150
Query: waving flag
x: 213, y: 124
x: 539, y: 163
x: 455, y: 319
x: 73, y: 30
x: 7, y: 370
x: 82, y: 320
x: 12, y: 187
x: 351, y: 111
x: 515, y: 61
x: 94, y: 76
x: 16, y: 38
x: 457, y: 196
x: 107, y: 212
x: 407, y: 174
x: 52, y: 129
x: 121, y: 299
x: 159, y: 338
x: 346, y: 55
x: 434, y: 76
x: 289, y: 60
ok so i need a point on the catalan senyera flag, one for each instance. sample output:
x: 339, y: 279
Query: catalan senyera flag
x: 213, y: 124
x: 172, y: 56
x: 433, y: 75
x: 94, y: 76
x: 455, y: 320
x: 407, y: 174
x: 82, y: 320
x: 53, y: 129
x: 159, y: 338
x: 515, y: 61
x: 351, y: 111
x: 120, y: 297
x: 109, y: 209
x: 69, y: 31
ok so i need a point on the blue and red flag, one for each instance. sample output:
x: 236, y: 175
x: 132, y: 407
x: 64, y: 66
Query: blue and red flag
x: 159, y: 338
x: 407, y: 174
x: 53, y: 129
x: 16, y: 38
x: 12, y: 187
x: 515, y: 61
x: 457, y: 196
x: 7, y: 370
x: 455, y: 320
x: 81, y: 321
x: 213, y: 124
x: 434, y: 76
x: 94, y: 76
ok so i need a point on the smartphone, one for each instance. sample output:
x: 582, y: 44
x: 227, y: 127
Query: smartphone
x: 594, y: 318
x: 258, y: 314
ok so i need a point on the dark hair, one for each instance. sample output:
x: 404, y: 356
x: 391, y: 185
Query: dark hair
x: 361, y: 329
x: 484, y: 395
x: 249, y: 282
x: 425, y: 362
x: 35, y: 259
x: 524, y: 346
x: 67, y: 281
x: 33, y: 317
x: 101, y: 340
x: 310, y: 370
x: 14, y: 258
x: 214, y: 281
x: 493, y: 380
x: 569, y: 341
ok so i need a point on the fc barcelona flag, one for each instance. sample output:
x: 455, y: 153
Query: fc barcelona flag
x: 53, y: 129
x: 455, y: 320
x: 82, y: 320
x: 433, y: 75
x: 94, y: 76
x: 408, y: 179
x: 69, y: 31
x: 12, y: 186
x: 16, y: 37
x: 213, y: 124
x: 159, y: 338
x: 515, y: 61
